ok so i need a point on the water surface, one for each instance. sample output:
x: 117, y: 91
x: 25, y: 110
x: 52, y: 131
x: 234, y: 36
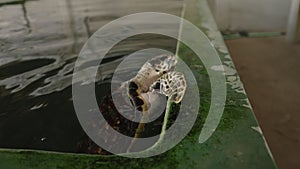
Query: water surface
x: 39, y: 43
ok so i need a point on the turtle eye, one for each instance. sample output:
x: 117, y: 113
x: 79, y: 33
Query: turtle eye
x: 156, y: 70
x: 156, y: 86
x: 164, y: 72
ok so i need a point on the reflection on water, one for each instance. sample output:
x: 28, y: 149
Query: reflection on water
x: 39, y: 43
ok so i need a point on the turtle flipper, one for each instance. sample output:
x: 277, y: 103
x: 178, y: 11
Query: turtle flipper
x: 171, y: 84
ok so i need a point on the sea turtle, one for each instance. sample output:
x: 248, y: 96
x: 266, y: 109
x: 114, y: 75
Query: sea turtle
x: 139, y: 95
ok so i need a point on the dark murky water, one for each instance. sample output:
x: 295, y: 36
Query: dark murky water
x: 39, y: 43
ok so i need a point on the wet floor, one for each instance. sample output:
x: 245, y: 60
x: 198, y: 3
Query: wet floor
x: 39, y: 43
x: 269, y: 69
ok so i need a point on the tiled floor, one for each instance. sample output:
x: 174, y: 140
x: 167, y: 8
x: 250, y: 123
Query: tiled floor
x: 270, y: 71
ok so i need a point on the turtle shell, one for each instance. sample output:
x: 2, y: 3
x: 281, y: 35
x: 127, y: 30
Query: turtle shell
x: 120, y: 122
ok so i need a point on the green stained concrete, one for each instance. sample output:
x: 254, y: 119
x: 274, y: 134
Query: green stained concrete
x: 237, y: 142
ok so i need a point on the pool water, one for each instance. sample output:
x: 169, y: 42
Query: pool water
x: 39, y: 43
